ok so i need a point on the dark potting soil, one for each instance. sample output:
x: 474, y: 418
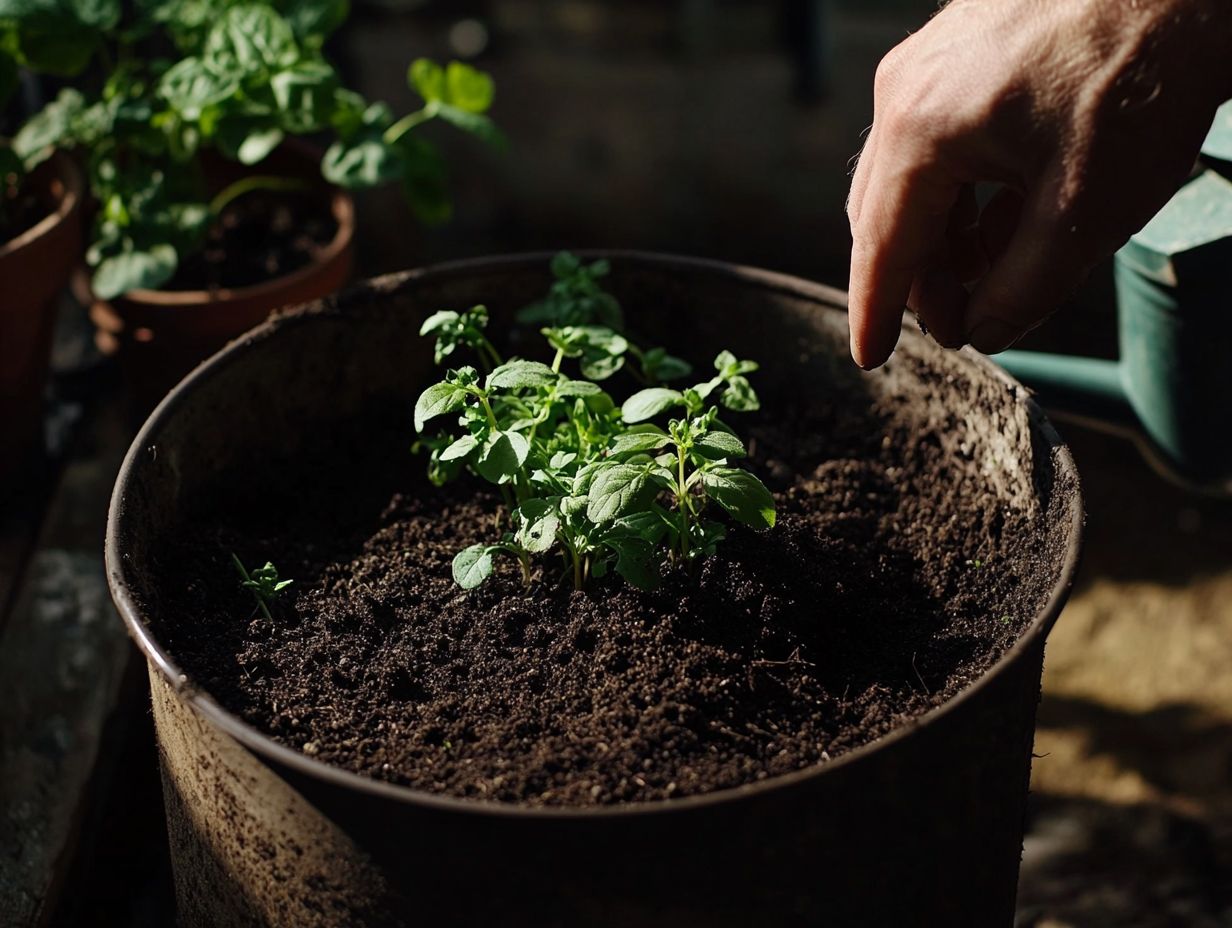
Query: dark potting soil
x: 888, y: 585
x: 259, y: 236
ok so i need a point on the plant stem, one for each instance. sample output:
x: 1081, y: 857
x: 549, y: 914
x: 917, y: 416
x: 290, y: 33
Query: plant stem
x: 577, y: 570
x: 524, y: 561
x: 239, y: 565
x: 407, y: 123
x: 682, y: 498
x: 560, y: 356
x: 251, y: 184
x: 487, y: 408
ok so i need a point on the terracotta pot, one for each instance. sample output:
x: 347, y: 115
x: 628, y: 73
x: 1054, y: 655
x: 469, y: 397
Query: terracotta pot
x: 34, y: 267
x: 161, y: 335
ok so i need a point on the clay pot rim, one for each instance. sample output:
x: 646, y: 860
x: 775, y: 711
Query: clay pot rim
x: 342, y: 205
x: 69, y: 176
x: 265, y: 747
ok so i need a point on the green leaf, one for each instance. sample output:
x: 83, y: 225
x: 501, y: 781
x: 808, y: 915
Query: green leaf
x: 437, y: 400
x: 468, y: 88
x: 635, y: 561
x: 601, y: 366
x: 650, y: 525
x: 427, y: 78
x: 520, y: 375
x: 717, y: 444
x: 639, y: 442
x: 578, y: 388
x: 305, y: 96
x: 250, y: 39
x: 313, y: 21
x: 502, y: 456
x: 460, y: 448
x: 539, y: 521
x: 438, y: 320
x: 562, y: 459
x: 658, y: 365
x: 472, y: 566
x: 133, y: 270
x: 102, y: 15
x: 477, y: 125
x: 565, y: 264
x: 615, y: 491
x: 424, y: 180
x: 646, y: 404
x: 740, y: 395
x: 741, y: 494
x: 258, y: 145
x: 729, y: 366
x: 189, y: 87
x: 50, y: 127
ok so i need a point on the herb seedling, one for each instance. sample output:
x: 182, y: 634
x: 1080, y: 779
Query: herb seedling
x: 179, y: 78
x: 601, y: 484
x: 263, y: 583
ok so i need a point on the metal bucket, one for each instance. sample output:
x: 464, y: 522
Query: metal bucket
x: 923, y: 827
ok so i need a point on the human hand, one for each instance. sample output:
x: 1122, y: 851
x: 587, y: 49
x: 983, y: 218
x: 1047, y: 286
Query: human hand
x: 1088, y: 113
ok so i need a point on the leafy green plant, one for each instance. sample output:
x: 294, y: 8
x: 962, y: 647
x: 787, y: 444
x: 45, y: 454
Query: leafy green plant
x: 246, y: 75
x: 262, y: 582
x: 603, y: 485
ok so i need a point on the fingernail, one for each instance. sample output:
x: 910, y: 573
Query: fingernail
x: 992, y: 335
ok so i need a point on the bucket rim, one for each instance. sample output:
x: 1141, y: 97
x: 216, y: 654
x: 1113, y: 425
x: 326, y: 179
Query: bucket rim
x: 264, y: 746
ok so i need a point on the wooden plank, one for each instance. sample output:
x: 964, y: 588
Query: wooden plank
x: 63, y: 653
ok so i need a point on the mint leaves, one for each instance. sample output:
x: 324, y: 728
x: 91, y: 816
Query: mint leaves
x: 598, y: 485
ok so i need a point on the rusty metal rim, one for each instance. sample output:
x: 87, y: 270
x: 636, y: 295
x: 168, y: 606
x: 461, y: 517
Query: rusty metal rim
x: 263, y: 745
x: 70, y: 178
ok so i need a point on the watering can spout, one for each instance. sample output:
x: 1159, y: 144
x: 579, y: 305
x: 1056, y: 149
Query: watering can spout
x: 1086, y: 390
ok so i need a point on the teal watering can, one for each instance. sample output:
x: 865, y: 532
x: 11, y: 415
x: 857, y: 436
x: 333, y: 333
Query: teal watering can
x: 1171, y: 388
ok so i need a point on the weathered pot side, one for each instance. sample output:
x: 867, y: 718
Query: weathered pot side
x: 34, y: 268
x: 161, y: 335
x: 924, y: 827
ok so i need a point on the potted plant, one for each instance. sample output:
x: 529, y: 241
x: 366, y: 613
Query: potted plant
x: 209, y: 215
x: 643, y: 646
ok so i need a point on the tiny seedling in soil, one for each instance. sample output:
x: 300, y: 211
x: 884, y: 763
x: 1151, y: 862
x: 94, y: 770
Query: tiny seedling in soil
x: 262, y: 582
x: 609, y: 487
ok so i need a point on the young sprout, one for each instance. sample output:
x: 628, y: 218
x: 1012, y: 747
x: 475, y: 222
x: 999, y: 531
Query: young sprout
x: 598, y: 484
x: 262, y: 582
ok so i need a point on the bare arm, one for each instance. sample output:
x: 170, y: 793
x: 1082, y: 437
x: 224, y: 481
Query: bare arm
x: 1089, y: 113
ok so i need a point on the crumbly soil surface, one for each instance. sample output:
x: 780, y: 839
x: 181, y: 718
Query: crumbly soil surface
x: 888, y: 585
x: 258, y: 237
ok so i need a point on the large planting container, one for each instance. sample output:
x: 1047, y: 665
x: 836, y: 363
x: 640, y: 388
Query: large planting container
x: 923, y: 827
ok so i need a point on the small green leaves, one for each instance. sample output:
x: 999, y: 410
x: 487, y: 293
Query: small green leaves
x: 640, y: 442
x: 599, y: 484
x: 133, y: 269
x: 648, y: 403
x: 538, y: 521
x: 717, y: 445
x: 473, y: 565
x: 741, y: 494
x: 615, y: 491
x: 521, y: 375
x: 502, y: 456
x: 263, y: 583
x: 438, y: 400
